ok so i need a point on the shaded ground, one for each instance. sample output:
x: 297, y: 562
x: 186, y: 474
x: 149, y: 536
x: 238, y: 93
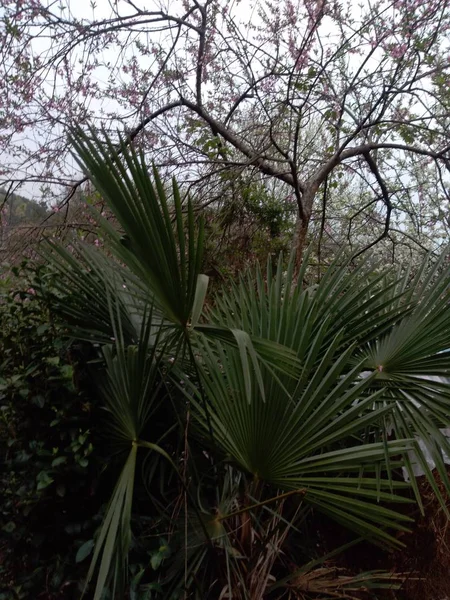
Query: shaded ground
x: 424, y: 563
x: 427, y: 552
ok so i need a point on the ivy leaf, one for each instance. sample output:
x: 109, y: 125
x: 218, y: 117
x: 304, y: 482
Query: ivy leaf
x: 44, y: 480
x: 84, y: 551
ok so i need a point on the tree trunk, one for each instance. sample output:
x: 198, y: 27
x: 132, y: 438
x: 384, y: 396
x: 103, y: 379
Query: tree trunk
x: 300, y: 242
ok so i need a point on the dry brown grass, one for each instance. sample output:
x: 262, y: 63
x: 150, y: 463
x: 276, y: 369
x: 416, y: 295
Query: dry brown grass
x: 426, y: 556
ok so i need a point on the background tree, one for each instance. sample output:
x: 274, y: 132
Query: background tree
x: 297, y: 90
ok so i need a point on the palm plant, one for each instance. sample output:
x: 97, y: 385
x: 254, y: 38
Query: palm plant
x: 282, y: 399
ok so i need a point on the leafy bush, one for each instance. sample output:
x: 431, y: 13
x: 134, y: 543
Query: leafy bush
x: 48, y: 481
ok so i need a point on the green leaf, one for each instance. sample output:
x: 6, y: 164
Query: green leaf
x: 53, y: 360
x: 115, y: 534
x: 84, y: 551
x: 38, y: 400
x: 156, y: 561
x: 157, y: 558
x: 43, y: 480
x: 42, y: 329
x: 199, y: 299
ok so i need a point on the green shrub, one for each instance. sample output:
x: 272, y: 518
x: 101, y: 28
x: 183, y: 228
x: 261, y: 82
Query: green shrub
x: 48, y: 480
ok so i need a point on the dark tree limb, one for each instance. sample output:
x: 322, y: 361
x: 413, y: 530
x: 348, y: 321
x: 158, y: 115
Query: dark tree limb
x: 387, y: 202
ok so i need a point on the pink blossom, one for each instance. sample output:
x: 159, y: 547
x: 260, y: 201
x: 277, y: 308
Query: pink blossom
x: 398, y: 51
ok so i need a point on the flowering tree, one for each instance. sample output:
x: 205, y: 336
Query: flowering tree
x: 307, y: 93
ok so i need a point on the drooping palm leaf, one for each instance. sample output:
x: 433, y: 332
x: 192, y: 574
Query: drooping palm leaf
x: 114, y: 539
x: 131, y: 389
x: 86, y: 284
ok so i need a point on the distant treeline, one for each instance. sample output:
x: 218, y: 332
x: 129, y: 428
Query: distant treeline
x: 18, y: 210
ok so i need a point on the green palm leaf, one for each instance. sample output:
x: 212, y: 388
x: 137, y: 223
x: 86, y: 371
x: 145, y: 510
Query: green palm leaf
x: 412, y: 361
x: 131, y: 390
x: 284, y: 439
x: 86, y: 284
x: 385, y: 323
x: 159, y: 245
x: 295, y: 386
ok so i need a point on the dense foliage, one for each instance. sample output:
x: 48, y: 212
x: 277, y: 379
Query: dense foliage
x: 186, y: 440
x: 192, y: 442
x: 49, y: 497
x: 188, y: 409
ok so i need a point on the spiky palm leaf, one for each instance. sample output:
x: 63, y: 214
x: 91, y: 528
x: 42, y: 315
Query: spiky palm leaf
x: 87, y: 283
x: 311, y: 438
x: 398, y: 326
x: 131, y: 389
x: 160, y: 246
